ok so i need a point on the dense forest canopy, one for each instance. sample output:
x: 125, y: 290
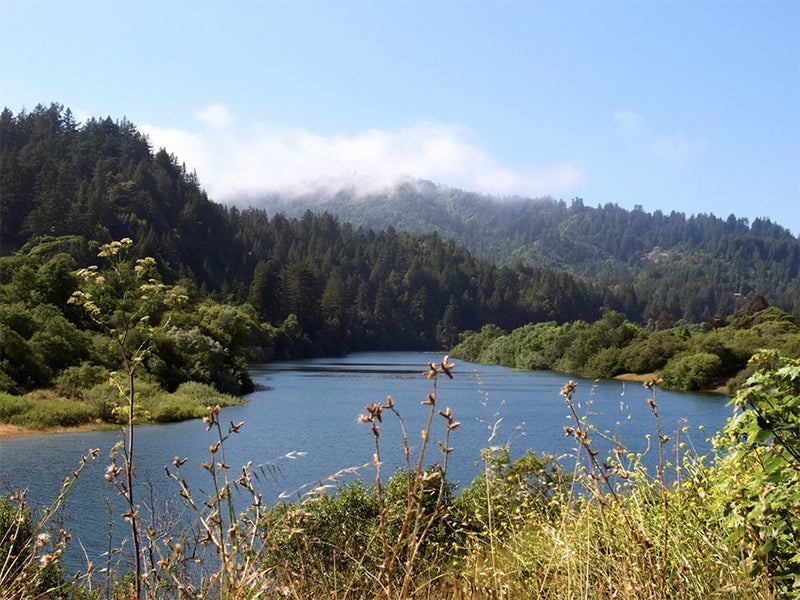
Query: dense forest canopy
x: 695, y: 267
x: 303, y: 286
x: 314, y: 283
x: 115, y: 260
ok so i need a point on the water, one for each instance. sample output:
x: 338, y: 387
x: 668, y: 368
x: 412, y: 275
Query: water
x: 303, y: 428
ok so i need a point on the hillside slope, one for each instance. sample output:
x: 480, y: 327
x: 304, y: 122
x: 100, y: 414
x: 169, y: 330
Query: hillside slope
x: 694, y: 267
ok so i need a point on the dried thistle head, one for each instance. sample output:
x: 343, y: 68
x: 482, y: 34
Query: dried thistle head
x: 569, y: 389
x: 447, y: 366
x: 432, y: 371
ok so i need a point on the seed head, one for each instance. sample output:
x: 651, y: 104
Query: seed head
x: 569, y: 389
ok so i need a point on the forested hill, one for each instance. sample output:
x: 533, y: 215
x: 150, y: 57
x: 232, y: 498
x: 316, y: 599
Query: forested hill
x: 377, y: 285
x: 695, y: 267
x: 329, y: 286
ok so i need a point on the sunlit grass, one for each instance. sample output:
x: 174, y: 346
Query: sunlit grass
x: 579, y: 526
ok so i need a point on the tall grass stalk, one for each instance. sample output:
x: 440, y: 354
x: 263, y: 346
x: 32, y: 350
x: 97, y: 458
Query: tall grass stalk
x: 529, y: 528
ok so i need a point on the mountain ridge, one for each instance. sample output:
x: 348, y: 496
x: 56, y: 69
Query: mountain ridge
x: 611, y: 245
x: 102, y: 181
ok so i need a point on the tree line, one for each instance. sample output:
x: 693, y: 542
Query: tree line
x: 300, y: 286
x: 309, y: 284
x: 686, y: 358
x: 696, y: 267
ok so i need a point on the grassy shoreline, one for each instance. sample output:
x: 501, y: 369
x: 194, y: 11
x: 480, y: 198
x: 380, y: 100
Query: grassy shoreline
x: 11, y: 430
x: 644, y: 377
x: 47, y: 412
x: 8, y: 430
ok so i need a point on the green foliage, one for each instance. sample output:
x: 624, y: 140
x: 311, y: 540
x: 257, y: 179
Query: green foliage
x: 689, y: 267
x: 333, y: 531
x: 762, y: 507
x: 21, y: 540
x: 692, y: 371
x: 45, y: 412
x: 471, y: 344
x: 688, y: 359
x: 75, y: 381
x: 16, y: 535
x: 189, y: 401
x: 509, y: 493
x: 153, y: 404
x: 652, y: 352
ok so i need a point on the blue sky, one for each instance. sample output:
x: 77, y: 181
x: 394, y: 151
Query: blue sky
x: 686, y: 106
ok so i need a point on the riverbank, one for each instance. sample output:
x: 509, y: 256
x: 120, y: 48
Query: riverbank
x: 7, y: 430
x: 645, y: 377
x: 637, y: 377
x: 45, y: 411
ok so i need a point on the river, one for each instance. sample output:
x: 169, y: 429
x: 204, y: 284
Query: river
x: 302, y: 427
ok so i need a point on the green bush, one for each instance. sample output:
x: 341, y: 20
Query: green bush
x: 509, y: 493
x: 77, y: 380
x: 16, y: 533
x: 44, y: 413
x: 762, y: 468
x: 652, y: 353
x: 329, y: 530
x: 692, y: 371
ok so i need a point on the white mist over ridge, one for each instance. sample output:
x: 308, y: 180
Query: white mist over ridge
x: 233, y: 162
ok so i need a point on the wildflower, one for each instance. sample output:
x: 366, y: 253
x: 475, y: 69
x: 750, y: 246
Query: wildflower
x: 429, y: 476
x: 178, y: 462
x: 112, y: 472
x: 445, y: 449
x: 42, y: 539
x: 48, y: 559
x: 447, y: 366
x: 432, y: 371
x: 569, y: 389
x: 375, y: 411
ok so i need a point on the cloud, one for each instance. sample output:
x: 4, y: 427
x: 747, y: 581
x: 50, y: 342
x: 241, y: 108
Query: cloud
x: 629, y: 122
x: 677, y: 147
x: 81, y: 115
x: 215, y: 115
x: 258, y: 159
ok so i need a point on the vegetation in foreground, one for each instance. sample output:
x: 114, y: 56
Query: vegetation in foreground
x: 724, y: 525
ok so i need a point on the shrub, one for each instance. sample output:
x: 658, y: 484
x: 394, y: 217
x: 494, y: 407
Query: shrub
x: 507, y: 493
x: 331, y: 531
x: 77, y: 380
x: 692, y: 371
x: 44, y: 412
x: 760, y: 491
x: 20, y: 538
